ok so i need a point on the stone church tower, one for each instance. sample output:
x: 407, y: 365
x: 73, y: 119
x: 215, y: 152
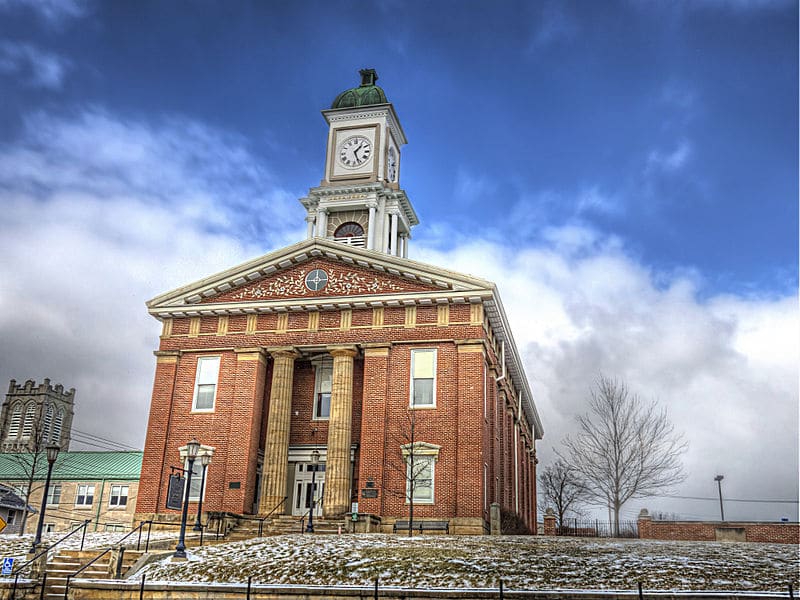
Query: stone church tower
x: 34, y: 416
x: 339, y: 376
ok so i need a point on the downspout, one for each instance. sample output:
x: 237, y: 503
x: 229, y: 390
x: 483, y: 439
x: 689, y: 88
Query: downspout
x: 99, y: 504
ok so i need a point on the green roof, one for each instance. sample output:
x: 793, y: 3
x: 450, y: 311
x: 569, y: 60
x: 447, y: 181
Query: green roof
x: 76, y: 466
x: 364, y: 95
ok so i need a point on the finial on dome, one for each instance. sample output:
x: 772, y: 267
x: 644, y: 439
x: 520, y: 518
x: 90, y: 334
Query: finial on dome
x: 368, y: 77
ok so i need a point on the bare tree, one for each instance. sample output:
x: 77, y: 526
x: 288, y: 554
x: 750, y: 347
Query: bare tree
x: 624, y: 448
x: 413, y: 463
x: 31, y: 461
x: 561, y: 486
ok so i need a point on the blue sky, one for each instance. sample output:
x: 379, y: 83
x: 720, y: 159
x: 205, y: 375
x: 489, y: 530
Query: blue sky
x: 627, y: 172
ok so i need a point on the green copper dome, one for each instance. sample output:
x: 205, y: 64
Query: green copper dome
x: 364, y: 95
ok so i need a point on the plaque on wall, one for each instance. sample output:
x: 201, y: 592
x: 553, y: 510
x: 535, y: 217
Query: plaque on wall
x: 369, y: 493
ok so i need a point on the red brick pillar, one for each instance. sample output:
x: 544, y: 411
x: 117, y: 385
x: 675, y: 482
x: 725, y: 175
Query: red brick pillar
x: 549, y: 522
x: 155, y: 468
x: 469, y: 464
x: 644, y: 525
x: 243, y: 433
x: 373, y: 429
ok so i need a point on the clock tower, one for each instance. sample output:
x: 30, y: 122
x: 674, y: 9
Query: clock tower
x: 359, y: 201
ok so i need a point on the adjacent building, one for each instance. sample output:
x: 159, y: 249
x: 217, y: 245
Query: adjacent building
x: 402, y: 379
x: 100, y: 487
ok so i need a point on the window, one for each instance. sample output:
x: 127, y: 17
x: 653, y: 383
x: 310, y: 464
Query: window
x: 21, y: 491
x: 423, y: 378
x: 16, y: 417
x: 419, y: 479
x: 197, y: 480
x: 420, y: 460
x: 322, y: 389
x: 49, y: 527
x: 119, y: 496
x: 30, y: 416
x: 57, y: 424
x: 349, y: 229
x: 54, y: 495
x: 48, y: 420
x: 205, y: 389
x: 12, y: 516
x: 114, y: 527
x: 85, y: 495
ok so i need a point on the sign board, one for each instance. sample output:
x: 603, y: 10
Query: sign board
x: 175, y: 492
x: 2, y: 524
x: 8, y: 566
x: 369, y: 493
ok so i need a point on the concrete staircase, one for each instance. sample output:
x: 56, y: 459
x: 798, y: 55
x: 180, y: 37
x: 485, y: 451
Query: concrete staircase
x: 284, y: 524
x: 67, y: 562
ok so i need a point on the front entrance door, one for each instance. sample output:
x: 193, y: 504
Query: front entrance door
x: 303, y: 473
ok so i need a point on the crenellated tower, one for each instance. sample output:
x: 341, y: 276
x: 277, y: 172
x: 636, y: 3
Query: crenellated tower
x: 34, y: 416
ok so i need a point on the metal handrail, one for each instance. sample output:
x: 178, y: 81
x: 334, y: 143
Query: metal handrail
x: 46, y: 550
x: 83, y: 568
x: 132, y: 531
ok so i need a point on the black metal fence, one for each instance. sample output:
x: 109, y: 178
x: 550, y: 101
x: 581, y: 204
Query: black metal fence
x: 594, y: 528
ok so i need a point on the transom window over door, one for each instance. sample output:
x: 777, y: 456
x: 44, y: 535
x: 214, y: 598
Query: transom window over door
x: 423, y: 378
x: 323, y: 381
x: 205, y: 389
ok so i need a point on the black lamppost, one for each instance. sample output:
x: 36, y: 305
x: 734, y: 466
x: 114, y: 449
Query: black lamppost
x: 192, y: 448
x: 314, y: 463
x: 205, y: 460
x: 719, y: 479
x: 52, y: 455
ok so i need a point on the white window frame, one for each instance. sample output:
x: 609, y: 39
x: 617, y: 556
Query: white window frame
x: 51, y: 494
x: 200, y: 361
x: 414, y: 353
x: 319, y: 367
x: 422, y: 451
x: 118, y: 496
x: 85, y: 494
x: 197, y: 479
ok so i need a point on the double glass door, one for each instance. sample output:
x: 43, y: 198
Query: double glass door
x: 303, y: 492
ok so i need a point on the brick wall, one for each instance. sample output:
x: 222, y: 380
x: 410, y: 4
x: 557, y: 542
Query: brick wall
x: 472, y: 431
x: 754, y: 531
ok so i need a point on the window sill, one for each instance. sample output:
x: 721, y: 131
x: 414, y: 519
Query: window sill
x: 422, y: 407
x: 202, y: 410
x: 83, y: 507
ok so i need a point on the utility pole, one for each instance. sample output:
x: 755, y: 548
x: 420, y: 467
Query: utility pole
x: 719, y: 479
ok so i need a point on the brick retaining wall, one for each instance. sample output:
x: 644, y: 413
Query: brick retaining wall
x: 711, y: 531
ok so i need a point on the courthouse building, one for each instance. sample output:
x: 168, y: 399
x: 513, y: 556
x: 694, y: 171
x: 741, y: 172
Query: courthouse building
x: 340, y: 347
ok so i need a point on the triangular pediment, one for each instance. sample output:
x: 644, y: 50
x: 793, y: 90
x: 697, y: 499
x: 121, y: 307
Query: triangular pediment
x: 319, y: 272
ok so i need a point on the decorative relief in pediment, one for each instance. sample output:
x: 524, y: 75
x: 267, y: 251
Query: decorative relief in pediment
x: 320, y: 278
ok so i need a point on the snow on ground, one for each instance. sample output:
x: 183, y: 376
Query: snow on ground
x: 481, y: 562
x: 18, y: 546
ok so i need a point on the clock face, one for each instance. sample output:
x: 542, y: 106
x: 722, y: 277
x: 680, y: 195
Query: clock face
x: 391, y: 164
x: 355, y: 151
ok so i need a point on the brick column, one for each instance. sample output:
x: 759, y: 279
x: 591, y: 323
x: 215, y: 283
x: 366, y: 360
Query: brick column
x: 241, y: 459
x: 276, y: 456
x: 469, y: 450
x: 373, y: 420
x: 337, y: 475
x: 549, y: 522
x: 155, y: 474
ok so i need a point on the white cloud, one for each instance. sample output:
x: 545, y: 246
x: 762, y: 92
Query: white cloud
x: 39, y: 67
x: 726, y: 368
x: 102, y: 214
x: 53, y: 12
x: 669, y: 161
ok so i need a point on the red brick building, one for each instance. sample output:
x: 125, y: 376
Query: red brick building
x: 403, y: 378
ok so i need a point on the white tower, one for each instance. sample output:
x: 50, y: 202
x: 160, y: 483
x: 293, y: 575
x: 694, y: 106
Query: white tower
x: 359, y: 201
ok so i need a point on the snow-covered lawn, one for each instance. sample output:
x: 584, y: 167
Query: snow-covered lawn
x: 481, y: 562
x: 18, y: 546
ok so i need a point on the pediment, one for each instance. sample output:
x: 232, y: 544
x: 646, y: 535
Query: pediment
x: 331, y: 278
x: 342, y: 272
